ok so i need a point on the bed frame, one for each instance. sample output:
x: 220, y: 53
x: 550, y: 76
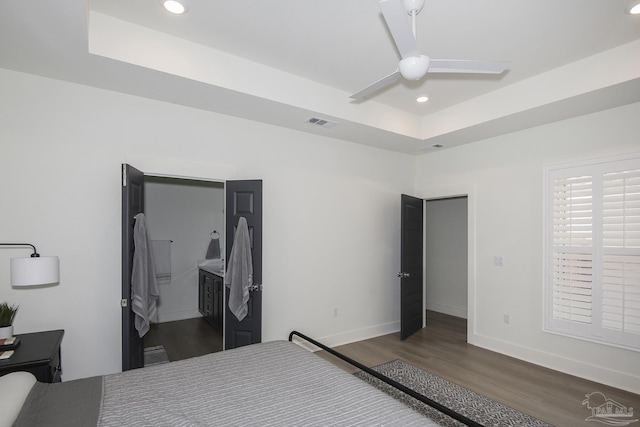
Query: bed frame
x: 450, y: 412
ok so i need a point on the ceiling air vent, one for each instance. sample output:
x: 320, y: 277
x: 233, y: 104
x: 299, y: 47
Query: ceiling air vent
x: 321, y: 122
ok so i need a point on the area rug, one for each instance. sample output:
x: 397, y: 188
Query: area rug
x: 472, y: 405
x: 155, y: 356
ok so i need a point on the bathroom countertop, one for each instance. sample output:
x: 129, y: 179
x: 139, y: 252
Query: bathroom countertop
x: 216, y: 271
x: 214, y: 267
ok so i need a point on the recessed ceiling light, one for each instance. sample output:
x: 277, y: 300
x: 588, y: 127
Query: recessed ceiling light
x: 422, y: 99
x: 635, y: 10
x: 174, y: 6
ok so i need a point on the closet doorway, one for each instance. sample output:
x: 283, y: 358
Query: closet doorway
x: 446, y: 256
x: 183, y: 215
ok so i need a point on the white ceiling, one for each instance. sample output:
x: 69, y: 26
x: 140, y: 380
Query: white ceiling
x: 283, y: 61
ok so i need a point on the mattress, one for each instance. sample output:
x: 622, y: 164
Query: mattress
x: 270, y: 384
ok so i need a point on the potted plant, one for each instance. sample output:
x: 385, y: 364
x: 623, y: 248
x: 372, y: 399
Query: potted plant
x: 7, y: 314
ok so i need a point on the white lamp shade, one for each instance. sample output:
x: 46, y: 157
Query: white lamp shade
x: 35, y: 271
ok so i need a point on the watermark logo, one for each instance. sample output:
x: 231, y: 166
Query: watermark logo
x: 607, y: 411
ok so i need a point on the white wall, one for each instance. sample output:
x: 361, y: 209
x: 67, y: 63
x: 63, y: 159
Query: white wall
x: 331, y: 218
x: 503, y: 177
x: 186, y: 212
x: 331, y: 212
x: 446, y: 256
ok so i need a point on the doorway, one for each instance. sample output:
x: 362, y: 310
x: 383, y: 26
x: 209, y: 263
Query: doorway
x: 446, y: 257
x: 183, y: 215
x: 243, y: 211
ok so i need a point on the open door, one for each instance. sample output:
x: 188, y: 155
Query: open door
x: 132, y: 204
x: 411, y: 258
x: 244, y: 199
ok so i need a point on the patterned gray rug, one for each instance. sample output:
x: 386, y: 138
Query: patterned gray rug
x: 155, y: 356
x: 472, y: 405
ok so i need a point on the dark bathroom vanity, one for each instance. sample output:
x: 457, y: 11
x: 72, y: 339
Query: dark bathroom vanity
x: 210, y: 297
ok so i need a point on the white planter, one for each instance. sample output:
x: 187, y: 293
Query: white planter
x: 6, y: 332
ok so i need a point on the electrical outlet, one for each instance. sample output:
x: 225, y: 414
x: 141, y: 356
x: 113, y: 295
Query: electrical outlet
x: 335, y: 312
x: 507, y: 319
x: 498, y: 260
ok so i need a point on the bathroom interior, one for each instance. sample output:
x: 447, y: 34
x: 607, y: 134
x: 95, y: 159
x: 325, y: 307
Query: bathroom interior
x: 185, y: 220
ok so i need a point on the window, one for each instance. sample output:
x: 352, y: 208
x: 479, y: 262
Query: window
x: 592, y: 251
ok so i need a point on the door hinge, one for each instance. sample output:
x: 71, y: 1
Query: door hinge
x: 254, y: 288
x: 123, y: 303
x: 124, y: 175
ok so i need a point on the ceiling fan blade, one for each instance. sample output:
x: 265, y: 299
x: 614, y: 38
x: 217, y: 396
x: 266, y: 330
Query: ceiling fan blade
x: 466, y: 66
x: 400, y: 26
x: 383, y: 82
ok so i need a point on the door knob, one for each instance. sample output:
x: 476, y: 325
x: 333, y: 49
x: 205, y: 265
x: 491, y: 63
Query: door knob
x: 404, y: 275
x: 254, y: 288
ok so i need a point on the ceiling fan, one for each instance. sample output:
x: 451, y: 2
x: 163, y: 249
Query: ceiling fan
x: 414, y: 66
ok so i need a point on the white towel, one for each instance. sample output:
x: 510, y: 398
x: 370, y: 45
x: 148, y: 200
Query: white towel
x: 161, y: 250
x: 144, y: 287
x: 239, y: 274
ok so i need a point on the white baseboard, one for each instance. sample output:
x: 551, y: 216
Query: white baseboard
x: 447, y: 309
x: 600, y: 374
x: 352, y: 336
x: 178, y: 315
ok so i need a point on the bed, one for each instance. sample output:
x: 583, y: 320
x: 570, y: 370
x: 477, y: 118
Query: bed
x: 270, y: 384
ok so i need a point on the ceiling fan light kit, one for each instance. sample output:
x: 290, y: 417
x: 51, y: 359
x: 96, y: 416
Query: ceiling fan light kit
x: 413, y: 65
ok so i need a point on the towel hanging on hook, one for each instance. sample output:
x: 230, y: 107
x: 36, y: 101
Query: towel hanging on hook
x: 213, y: 250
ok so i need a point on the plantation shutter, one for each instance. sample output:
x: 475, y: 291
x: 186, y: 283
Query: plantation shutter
x: 621, y: 251
x: 592, y: 285
x: 572, y: 249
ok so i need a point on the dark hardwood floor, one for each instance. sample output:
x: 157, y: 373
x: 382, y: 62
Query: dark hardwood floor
x: 183, y: 339
x: 441, y: 348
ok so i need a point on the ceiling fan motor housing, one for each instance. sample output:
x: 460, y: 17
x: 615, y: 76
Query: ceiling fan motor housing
x: 413, y: 5
x: 414, y: 67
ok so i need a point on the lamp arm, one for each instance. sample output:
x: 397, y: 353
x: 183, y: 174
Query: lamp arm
x: 35, y: 253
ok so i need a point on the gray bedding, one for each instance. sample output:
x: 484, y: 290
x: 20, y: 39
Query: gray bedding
x: 270, y: 384
x: 46, y: 404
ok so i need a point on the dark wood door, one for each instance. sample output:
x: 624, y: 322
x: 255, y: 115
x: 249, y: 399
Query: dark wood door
x: 411, y: 259
x: 244, y: 199
x: 132, y: 204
